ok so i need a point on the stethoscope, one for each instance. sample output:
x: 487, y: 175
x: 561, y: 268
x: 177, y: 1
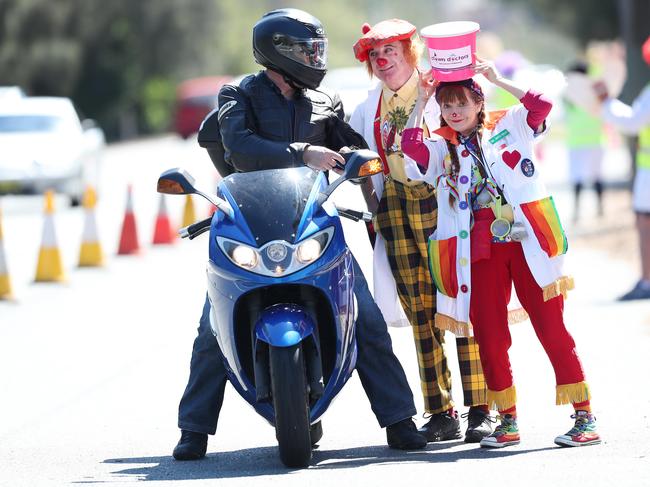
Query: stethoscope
x: 489, y: 191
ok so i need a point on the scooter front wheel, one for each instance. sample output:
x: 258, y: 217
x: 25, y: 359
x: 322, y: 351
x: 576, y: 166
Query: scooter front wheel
x: 291, y: 404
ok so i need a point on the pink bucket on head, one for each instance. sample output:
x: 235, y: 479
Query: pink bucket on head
x: 452, y: 49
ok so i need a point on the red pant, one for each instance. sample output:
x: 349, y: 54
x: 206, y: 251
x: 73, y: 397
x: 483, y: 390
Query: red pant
x: 492, y: 280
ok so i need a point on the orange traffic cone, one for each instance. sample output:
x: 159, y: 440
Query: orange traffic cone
x: 129, y: 235
x: 91, y: 254
x: 163, y: 233
x: 5, y: 283
x: 50, y: 266
x: 189, y: 214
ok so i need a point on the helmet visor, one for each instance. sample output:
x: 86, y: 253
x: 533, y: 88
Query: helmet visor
x: 308, y: 52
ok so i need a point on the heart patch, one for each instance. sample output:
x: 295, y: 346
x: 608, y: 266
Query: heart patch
x: 511, y: 158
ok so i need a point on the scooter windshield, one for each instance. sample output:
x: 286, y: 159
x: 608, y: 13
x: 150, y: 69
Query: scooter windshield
x: 272, y: 201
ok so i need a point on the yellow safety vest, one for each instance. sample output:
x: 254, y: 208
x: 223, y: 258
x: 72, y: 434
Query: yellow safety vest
x: 643, y: 152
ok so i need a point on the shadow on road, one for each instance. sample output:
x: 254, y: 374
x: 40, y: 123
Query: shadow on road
x: 253, y: 462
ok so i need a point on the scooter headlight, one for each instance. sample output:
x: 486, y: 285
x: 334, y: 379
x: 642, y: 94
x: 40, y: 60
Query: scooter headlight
x: 308, y: 251
x: 244, y: 256
x: 277, y: 258
x: 240, y: 254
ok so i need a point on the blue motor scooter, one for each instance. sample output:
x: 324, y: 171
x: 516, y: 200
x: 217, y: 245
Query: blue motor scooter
x: 280, y: 283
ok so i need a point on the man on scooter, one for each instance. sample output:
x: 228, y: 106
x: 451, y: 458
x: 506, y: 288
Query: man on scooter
x: 277, y: 119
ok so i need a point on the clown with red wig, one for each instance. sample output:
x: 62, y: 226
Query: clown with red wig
x: 405, y: 217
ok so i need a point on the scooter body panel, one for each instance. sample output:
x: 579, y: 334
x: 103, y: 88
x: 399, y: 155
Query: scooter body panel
x: 318, y: 298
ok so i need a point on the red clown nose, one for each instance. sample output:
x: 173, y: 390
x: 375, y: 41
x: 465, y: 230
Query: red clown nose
x: 381, y: 62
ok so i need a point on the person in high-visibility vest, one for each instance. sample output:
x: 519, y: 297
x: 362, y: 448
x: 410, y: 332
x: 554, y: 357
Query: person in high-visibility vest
x: 635, y: 119
x: 585, y: 140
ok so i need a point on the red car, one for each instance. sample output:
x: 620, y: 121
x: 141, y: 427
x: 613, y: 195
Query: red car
x: 195, y: 98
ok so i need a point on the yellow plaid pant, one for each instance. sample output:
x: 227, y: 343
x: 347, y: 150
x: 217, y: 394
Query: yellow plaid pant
x: 406, y: 216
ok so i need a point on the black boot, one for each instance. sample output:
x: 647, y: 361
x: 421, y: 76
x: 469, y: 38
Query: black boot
x: 441, y: 427
x: 479, y: 425
x: 404, y: 435
x: 191, y: 446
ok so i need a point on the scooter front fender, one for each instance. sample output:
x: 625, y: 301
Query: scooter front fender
x: 284, y: 325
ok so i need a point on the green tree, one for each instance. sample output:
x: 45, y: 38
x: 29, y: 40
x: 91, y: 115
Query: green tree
x: 110, y: 57
x: 36, y: 48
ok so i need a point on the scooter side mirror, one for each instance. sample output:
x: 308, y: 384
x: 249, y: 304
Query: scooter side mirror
x: 179, y: 181
x: 176, y: 181
x: 359, y: 164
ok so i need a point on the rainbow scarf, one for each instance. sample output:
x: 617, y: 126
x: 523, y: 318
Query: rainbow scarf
x: 542, y: 216
x: 442, y: 265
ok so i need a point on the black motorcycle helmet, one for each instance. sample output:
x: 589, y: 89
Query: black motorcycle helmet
x: 293, y: 43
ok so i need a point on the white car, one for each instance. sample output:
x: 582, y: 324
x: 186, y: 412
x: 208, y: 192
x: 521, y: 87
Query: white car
x: 11, y: 92
x: 43, y: 145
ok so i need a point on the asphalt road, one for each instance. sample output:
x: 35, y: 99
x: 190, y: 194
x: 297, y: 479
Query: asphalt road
x: 91, y: 371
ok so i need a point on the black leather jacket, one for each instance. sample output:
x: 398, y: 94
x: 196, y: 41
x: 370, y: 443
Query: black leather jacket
x: 260, y: 129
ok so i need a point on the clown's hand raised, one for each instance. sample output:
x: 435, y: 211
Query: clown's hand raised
x: 487, y: 69
x: 427, y: 85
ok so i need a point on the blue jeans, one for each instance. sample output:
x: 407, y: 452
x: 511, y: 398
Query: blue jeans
x: 381, y: 373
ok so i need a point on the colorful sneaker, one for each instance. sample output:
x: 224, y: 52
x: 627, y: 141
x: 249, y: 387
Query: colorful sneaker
x: 506, y: 434
x: 583, y: 432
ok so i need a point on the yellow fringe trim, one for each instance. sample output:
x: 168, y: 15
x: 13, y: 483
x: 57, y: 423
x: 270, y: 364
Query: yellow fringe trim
x: 501, y: 400
x: 571, y: 393
x: 462, y: 329
x: 517, y: 316
x: 458, y: 328
x: 561, y: 286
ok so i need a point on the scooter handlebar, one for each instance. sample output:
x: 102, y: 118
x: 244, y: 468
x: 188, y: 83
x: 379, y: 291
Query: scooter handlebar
x: 354, y: 215
x: 195, y: 229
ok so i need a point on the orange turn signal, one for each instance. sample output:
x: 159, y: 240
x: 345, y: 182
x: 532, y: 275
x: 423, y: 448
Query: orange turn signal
x: 373, y: 166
